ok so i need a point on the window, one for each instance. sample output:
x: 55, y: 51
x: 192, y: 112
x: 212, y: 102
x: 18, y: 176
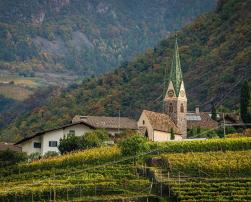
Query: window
x: 53, y: 143
x: 182, y: 108
x: 170, y: 107
x: 71, y: 132
x: 143, y: 122
x: 37, y: 145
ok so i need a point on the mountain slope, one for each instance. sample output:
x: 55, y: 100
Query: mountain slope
x: 215, y: 55
x: 86, y: 37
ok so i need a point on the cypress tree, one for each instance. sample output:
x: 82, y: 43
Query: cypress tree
x: 172, y: 134
x: 245, y: 102
x: 213, y: 112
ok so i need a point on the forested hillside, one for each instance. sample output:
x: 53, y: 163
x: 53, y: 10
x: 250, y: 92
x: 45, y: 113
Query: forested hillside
x: 86, y: 37
x: 215, y: 55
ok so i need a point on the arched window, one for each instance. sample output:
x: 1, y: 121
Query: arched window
x: 143, y: 122
x: 182, y: 108
x: 170, y: 107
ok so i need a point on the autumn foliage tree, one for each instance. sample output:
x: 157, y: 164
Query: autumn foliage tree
x: 245, y: 103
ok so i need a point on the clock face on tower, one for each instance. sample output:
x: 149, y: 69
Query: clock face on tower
x: 170, y: 93
x: 182, y: 93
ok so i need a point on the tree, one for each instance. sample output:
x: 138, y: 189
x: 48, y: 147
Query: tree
x: 213, y: 112
x: 172, y: 134
x: 69, y: 143
x: 8, y: 157
x: 134, y: 145
x: 94, y: 139
x: 245, y: 103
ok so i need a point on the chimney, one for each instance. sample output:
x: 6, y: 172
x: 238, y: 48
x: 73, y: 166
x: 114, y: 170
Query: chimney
x: 197, y: 109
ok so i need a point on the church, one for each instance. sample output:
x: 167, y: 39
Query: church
x: 174, y: 122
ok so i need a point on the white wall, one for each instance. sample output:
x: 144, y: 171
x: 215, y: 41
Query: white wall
x: 147, y: 124
x: 178, y: 137
x: 51, y: 136
x: 28, y: 146
x: 80, y: 129
x: 160, y: 136
x: 55, y: 135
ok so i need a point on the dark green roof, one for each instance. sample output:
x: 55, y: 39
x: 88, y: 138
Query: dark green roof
x: 176, y: 73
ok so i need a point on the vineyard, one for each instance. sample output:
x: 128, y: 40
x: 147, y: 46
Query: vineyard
x: 82, y: 176
x: 212, y: 170
x: 213, y: 164
x: 213, y: 190
x: 205, y: 176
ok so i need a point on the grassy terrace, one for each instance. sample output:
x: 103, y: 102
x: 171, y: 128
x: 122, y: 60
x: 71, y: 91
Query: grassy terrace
x: 77, y: 176
x: 206, y: 176
x: 212, y: 170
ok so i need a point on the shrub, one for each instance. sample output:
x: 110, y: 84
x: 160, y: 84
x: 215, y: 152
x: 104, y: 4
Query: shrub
x: 8, y: 157
x: 247, y: 132
x: 69, y: 143
x: 89, y: 140
x: 34, y: 156
x: 124, y: 135
x: 94, y: 139
x: 134, y: 145
x: 50, y: 154
x: 234, y: 135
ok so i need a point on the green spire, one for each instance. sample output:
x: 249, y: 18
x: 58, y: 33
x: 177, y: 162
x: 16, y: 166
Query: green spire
x: 176, y: 73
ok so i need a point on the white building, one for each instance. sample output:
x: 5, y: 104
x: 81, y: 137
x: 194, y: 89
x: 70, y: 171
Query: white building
x: 158, y: 127
x: 49, y: 140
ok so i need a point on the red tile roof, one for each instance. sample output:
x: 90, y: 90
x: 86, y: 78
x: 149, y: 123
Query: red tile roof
x: 161, y: 122
x: 204, y: 121
x: 107, y: 122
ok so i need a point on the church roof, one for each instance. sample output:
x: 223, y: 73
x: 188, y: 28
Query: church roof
x: 107, y: 122
x: 161, y: 122
x: 201, y: 119
x: 176, y: 73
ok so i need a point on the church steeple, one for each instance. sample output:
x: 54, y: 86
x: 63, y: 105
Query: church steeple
x: 176, y: 73
x: 175, y: 101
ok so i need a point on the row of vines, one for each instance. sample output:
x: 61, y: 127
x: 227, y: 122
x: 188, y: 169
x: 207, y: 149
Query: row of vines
x: 210, y: 164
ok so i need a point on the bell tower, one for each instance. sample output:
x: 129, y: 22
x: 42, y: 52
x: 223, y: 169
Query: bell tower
x: 175, y: 100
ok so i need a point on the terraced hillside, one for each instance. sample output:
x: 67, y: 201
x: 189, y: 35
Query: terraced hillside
x: 205, y: 176
x: 80, y: 176
x: 222, y: 172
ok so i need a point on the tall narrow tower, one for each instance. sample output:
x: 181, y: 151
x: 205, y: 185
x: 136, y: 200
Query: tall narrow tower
x: 175, y: 100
